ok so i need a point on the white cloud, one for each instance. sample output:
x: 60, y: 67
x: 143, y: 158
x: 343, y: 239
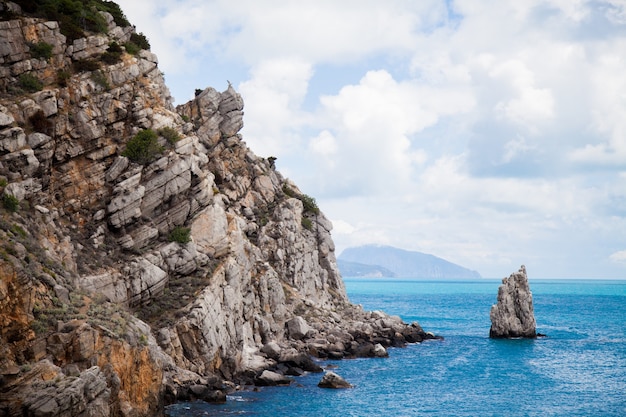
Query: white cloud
x: 324, y: 144
x: 618, y: 257
x: 489, y: 133
x: 272, y: 98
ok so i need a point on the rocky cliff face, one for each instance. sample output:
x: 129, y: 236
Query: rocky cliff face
x: 133, y: 279
x: 513, y: 315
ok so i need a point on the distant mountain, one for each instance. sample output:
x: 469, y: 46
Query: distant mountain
x: 355, y: 269
x: 372, y: 259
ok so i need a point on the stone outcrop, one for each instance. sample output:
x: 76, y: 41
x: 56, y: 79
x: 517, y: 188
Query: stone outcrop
x: 513, y: 315
x: 103, y: 310
x: 334, y: 381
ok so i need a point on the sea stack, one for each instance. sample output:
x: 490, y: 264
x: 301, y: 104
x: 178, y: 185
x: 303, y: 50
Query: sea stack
x: 513, y: 314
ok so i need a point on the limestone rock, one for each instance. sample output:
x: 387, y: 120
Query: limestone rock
x: 513, y: 315
x: 332, y: 380
x: 270, y: 378
x: 86, y: 394
x: 271, y: 349
x: 379, y: 351
x: 298, y: 328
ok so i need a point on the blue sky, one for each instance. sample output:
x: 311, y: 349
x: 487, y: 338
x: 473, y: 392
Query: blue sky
x: 491, y: 134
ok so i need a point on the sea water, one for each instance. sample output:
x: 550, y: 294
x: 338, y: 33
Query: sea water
x: 579, y: 369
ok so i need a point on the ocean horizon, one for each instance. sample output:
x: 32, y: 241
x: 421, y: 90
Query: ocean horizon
x: 579, y: 369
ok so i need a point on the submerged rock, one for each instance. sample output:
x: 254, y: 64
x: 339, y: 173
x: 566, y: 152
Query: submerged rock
x: 513, y: 314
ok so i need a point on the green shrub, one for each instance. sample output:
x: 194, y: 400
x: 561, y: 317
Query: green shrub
x: 75, y: 16
x: 70, y: 29
x: 144, y: 147
x: 62, y: 77
x: 140, y: 40
x: 40, y: 50
x: 288, y: 191
x: 180, y: 235
x: 3, y: 182
x: 170, y: 134
x: 83, y: 65
x: 30, y: 83
x: 115, y: 10
x: 309, y: 204
x: 10, y: 202
x: 307, y: 223
x: 18, y: 230
x: 132, y: 48
x: 40, y: 123
x: 99, y: 78
x: 113, y: 54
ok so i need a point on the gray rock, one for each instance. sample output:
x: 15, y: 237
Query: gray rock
x: 35, y: 140
x: 87, y: 394
x: 21, y: 162
x: 298, y: 328
x: 513, y: 315
x: 23, y: 189
x: 332, y: 380
x: 12, y: 139
x: 6, y: 119
x: 380, y: 351
x: 271, y: 349
x: 270, y: 378
x: 294, y: 358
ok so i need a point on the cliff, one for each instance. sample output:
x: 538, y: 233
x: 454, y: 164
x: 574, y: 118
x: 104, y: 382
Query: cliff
x: 146, y: 254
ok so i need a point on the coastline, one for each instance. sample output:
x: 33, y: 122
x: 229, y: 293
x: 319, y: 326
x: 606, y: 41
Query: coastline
x: 468, y: 371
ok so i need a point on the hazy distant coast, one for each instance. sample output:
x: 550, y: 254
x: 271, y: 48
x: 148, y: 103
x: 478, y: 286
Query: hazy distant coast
x: 387, y: 261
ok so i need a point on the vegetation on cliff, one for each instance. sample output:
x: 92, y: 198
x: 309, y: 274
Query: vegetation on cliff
x: 76, y: 17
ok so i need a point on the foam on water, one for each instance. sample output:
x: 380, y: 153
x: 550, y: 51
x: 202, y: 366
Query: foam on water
x: 578, y: 370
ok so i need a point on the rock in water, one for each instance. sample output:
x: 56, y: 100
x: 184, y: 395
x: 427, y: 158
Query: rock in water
x: 332, y: 380
x: 513, y: 315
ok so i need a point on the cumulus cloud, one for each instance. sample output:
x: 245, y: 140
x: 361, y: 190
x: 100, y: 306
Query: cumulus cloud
x: 618, y: 257
x: 273, y: 96
x: 489, y: 133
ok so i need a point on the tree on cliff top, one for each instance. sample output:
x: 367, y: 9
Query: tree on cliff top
x: 75, y: 16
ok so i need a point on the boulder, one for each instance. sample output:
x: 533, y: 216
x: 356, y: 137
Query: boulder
x: 206, y: 393
x: 270, y: 378
x: 271, y: 349
x: 332, y: 380
x: 295, y: 359
x: 297, y: 328
x: 379, y: 351
x: 513, y: 314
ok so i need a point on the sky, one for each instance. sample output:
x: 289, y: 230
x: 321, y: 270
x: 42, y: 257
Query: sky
x: 489, y: 133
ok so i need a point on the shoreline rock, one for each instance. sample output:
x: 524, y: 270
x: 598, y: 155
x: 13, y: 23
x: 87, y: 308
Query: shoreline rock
x: 333, y: 381
x: 513, y: 315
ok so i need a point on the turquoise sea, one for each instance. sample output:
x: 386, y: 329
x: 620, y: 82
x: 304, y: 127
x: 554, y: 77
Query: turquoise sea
x: 578, y: 370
